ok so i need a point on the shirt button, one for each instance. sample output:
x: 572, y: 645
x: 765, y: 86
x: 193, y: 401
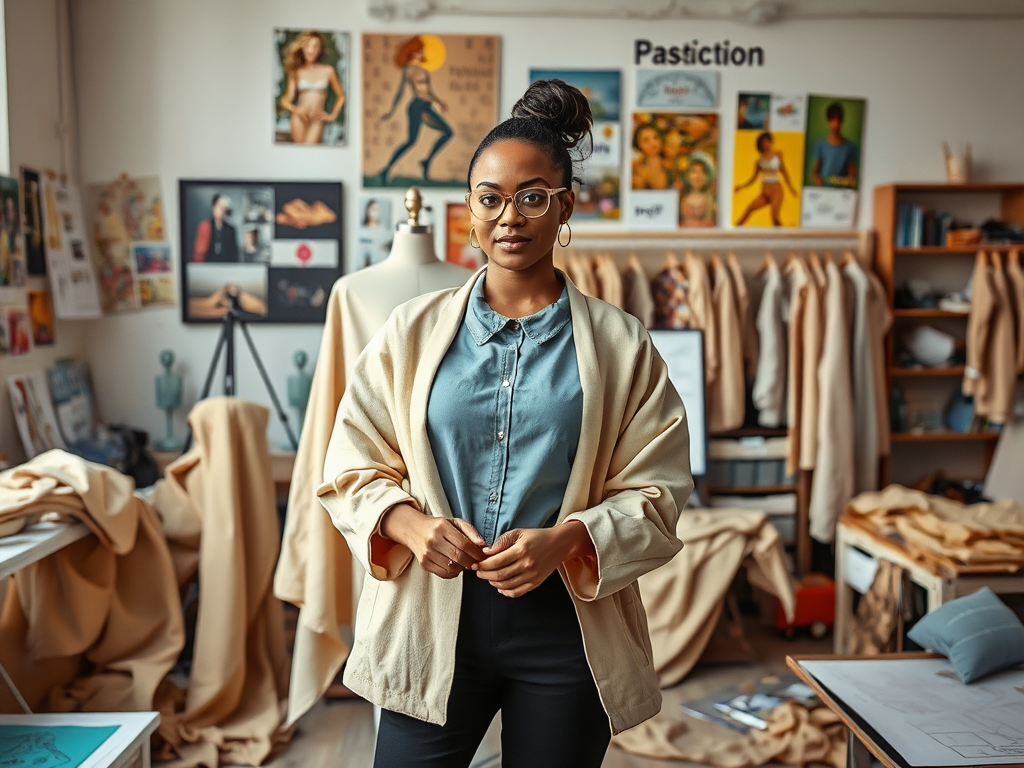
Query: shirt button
x: 515, y: 325
x: 504, y: 383
x: 501, y: 435
x: 493, y: 497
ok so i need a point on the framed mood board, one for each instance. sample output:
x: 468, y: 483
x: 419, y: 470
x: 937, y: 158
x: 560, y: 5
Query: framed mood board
x: 274, y: 247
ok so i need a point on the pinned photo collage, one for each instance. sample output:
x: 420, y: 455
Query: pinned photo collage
x: 270, y: 250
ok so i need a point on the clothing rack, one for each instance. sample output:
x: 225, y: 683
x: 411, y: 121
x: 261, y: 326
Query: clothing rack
x: 749, y: 247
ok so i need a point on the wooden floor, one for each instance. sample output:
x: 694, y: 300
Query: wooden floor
x: 340, y: 734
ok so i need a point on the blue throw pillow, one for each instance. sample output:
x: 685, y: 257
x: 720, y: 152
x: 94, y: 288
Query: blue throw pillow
x: 978, y: 634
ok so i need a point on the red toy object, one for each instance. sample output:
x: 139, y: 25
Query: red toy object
x: 815, y: 607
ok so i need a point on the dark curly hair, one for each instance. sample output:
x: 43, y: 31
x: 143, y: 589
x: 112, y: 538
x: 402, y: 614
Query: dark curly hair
x: 553, y: 116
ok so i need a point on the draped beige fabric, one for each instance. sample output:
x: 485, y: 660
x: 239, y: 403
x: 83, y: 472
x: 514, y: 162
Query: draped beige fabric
x: 97, y: 625
x: 217, y: 504
x: 684, y: 597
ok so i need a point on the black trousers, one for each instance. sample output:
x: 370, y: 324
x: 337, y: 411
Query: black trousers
x: 523, y: 656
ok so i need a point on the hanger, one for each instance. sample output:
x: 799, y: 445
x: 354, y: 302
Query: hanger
x: 790, y: 259
x: 671, y: 262
x: 715, y: 261
x: 766, y: 264
x: 847, y: 258
x: 633, y: 263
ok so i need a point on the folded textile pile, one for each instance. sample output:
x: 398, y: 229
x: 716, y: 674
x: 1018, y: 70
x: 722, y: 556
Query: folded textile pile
x: 96, y: 626
x: 795, y: 736
x: 976, y: 534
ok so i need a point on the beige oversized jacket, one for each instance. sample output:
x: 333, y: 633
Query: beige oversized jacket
x: 628, y: 482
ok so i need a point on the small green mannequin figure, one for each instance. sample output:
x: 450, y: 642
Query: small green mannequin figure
x: 168, y: 397
x: 298, y: 388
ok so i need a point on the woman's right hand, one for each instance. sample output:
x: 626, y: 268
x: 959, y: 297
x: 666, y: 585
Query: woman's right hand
x: 443, y: 546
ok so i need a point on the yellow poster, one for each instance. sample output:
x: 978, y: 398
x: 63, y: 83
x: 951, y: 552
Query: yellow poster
x: 768, y: 160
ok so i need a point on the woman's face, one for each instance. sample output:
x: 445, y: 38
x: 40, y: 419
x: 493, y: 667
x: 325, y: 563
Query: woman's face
x: 312, y: 49
x: 765, y: 145
x: 512, y: 241
x: 649, y: 141
x: 673, y: 143
x: 697, y: 176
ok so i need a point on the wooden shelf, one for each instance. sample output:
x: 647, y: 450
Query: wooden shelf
x: 971, y: 186
x: 943, y: 437
x: 937, y: 372
x: 750, y: 432
x: 943, y: 249
x: 926, y: 313
x: 750, y: 490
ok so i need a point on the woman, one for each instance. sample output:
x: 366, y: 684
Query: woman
x: 769, y: 166
x: 410, y: 58
x: 306, y: 91
x: 697, y: 205
x: 648, y: 162
x: 508, y: 458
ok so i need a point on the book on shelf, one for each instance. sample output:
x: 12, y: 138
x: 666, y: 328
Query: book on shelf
x: 917, y: 226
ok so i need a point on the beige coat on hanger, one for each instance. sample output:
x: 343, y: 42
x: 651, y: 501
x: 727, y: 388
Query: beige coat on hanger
x: 582, y: 274
x: 832, y: 486
x: 1015, y: 277
x: 727, y: 393
x: 799, y: 288
x: 769, y: 393
x: 637, y: 296
x: 749, y: 332
x: 609, y: 281
x: 1003, y: 348
x: 702, y: 313
x: 813, y: 335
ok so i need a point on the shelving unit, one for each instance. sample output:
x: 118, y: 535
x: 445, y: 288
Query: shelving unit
x: 913, y: 454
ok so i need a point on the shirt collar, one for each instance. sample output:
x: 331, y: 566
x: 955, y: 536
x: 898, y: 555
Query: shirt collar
x: 483, y: 322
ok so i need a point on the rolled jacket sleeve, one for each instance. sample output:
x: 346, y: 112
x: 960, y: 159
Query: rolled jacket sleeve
x: 364, y: 472
x: 647, y: 484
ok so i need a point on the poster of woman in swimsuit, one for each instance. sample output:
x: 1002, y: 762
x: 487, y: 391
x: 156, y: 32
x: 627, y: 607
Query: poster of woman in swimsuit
x: 768, y: 159
x: 428, y: 101
x: 310, y: 86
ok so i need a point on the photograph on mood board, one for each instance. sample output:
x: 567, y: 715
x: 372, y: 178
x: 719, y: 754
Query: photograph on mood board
x: 40, y: 314
x: 13, y: 271
x: 376, y: 230
x: 457, y: 247
x: 768, y: 158
x: 32, y: 221
x: 428, y: 101
x: 74, y: 284
x: 311, y: 87
x: 598, y: 196
x: 832, y: 161
x: 244, y: 243
x: 19, y: 333
x: 154, y: 274
x: 123, y: 211
x: 675, y: 158
x: 676, y: 89
x: 33, y: 413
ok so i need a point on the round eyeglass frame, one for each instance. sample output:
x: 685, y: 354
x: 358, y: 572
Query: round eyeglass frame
x: 506, y: 198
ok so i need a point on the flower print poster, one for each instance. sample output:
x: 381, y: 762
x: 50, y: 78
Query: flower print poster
x: 428, y: 101
x: 310, y: 87
x: 676, y: 153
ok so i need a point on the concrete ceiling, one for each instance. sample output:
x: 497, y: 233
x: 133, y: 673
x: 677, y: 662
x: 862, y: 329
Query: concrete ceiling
x: 748, y: 11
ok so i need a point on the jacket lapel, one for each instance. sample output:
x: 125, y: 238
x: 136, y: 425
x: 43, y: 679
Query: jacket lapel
x: 440, y: 338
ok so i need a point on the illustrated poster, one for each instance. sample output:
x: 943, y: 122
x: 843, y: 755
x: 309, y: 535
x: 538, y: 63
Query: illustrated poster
x: 768, y: 160
x: 428, y: 102
x: 40, y: 313
x: 310, y: 87
x: 32, y: 221
x: 676, y: 89
x: 457, y: 247
x: 599, y: 194
x: 33, y: 413
x: 832, y: 164
x: 676, y: 153
x: 69, y: 264
x: 12, y: 253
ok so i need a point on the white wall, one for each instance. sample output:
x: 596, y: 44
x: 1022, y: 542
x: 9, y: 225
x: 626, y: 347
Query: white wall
x: 33, y: 108
x: 181, y: 88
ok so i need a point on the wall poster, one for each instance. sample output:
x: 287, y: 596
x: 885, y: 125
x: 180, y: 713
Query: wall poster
x: 40, y: 312
x: 69, y: 262
x: 835, y: 130
x: 310, y: 86
x: 32, y: 221
x: 428, y: 101
x: 676, y: 89
x: 457, y: 247
x: 271, y: 249
x: 12, y: 254
x: 676, y: 153
x: 599, y: 195
x: 376, y: 230
x: 768, y: 160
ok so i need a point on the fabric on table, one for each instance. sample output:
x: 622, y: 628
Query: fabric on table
x: 1002, y: 351
x: 97, y: 625
x: 832, y: 484
x: 637, y: 297
x: 987, y: 533
x: 218, y: 509
x: 795, y: 736
x: 609, y: 281
x: 684, y: 597
x: 1015, y: 278
x: 749, y: 332
x: 727, y: 394
x: 702, y: 313
x: 799, y: 288
x: 769, y: 394
x: 877, y: 626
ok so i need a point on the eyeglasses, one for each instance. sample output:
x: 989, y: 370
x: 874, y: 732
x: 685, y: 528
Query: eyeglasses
x: 533, y: 202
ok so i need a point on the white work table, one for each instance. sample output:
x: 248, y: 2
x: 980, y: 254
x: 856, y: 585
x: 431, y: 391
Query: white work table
x: 127, y: 746
x: 35, y: 542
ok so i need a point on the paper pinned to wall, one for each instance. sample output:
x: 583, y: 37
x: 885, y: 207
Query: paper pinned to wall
x: 68, y: 261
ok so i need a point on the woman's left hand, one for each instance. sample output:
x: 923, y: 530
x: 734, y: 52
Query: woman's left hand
x: 521, y: 559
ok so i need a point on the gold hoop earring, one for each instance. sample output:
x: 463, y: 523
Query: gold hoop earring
x: 559, y: 235
x: 472, y: 234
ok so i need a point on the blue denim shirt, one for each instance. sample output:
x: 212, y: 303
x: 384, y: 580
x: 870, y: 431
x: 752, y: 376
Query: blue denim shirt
x: 504, y: 416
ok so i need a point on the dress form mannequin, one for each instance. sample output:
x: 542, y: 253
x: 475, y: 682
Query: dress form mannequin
x: 315, y: 570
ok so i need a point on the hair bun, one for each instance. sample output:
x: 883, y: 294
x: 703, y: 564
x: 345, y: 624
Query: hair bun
x: 563, y: 108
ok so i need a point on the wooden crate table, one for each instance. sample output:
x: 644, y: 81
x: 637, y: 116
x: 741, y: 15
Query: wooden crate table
x: 943, y: 579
